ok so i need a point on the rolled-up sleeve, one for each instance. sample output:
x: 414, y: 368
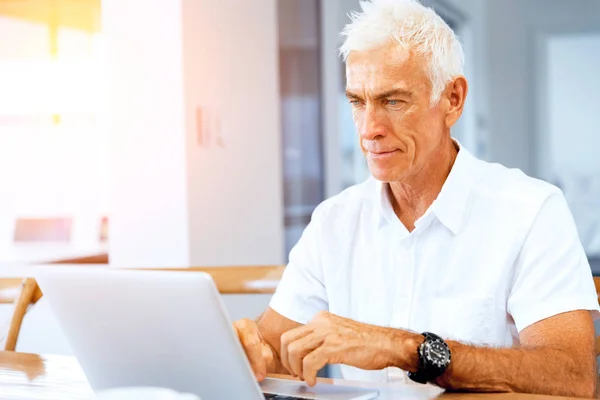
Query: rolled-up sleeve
x: 301, y: 293
x: 552, y: 274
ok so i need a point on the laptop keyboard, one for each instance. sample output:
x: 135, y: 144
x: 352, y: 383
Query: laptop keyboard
x: 269, y: 396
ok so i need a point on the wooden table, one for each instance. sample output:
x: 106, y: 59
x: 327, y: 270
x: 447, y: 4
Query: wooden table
x: 255, y: 279
x: 31, y: 376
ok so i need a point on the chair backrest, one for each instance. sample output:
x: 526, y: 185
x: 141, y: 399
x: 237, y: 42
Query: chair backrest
x: 597, y: 284
x: 21, y: 293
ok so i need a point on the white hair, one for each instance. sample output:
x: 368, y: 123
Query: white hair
x: 415, y: 28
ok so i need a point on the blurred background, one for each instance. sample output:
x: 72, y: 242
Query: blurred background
x: 205, y: 132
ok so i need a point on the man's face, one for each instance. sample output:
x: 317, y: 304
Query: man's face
x: 389, y: 92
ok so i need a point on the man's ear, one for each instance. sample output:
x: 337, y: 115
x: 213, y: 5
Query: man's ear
x: 455, y: 96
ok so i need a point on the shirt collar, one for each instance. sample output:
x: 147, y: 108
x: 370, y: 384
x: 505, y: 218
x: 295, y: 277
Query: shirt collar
x: 451, y: 204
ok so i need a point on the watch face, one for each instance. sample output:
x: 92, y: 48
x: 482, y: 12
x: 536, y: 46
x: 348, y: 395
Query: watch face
x: 437, y: 353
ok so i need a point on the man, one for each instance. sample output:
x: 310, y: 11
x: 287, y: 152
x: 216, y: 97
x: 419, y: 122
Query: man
x: 485, y: 258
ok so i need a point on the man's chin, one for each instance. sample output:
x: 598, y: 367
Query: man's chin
x: 385, y: 176
x: 386, y: 172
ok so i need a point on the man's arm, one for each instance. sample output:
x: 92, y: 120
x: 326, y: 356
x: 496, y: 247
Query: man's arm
x: 556, y: 356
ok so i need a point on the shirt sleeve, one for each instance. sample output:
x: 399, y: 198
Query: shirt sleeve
x: 553, y: 275
x: 301, y: 293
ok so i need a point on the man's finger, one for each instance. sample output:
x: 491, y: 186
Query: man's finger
x: 289, y: 337
x: 267, y: 354
x: 312, y: 363
x: 250, y: 339
x: 301, y: 348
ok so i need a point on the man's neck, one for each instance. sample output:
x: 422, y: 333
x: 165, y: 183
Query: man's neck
x: 413, y: 196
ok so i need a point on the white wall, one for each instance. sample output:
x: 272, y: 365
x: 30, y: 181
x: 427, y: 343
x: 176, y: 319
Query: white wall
x: 514, y: 27
x: 506, y: 35
x: 230, y: 61
x: 574, y: 102
x: 573, y: 127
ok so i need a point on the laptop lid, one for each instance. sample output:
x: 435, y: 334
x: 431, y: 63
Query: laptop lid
x: 149, y: 328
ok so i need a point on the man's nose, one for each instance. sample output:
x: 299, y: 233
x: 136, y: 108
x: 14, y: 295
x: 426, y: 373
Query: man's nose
x: 370, y: 126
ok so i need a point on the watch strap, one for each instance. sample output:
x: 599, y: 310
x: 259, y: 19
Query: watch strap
x: 420, y: 376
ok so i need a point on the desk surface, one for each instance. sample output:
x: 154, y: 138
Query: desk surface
x: 229, y: 280
x: 31, y: 376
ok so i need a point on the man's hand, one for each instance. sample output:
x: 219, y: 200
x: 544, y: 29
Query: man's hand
x: 330, y: 339
x: 259, y: 352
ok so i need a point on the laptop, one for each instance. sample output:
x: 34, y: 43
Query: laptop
x: 168, y: 329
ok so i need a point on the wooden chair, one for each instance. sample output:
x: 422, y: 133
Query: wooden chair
x: 597, y: 284
x: 21, y: 293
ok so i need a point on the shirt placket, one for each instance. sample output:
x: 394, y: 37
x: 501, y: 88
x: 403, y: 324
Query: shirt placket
x: 403, y: 298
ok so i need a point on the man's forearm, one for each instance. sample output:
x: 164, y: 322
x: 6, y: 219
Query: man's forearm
x: 540, y: 370
x: 529, y: 370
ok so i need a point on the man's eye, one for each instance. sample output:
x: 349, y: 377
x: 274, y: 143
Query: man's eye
x: 355, y: 102
x: 393, y: 102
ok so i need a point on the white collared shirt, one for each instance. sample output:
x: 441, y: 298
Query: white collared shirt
x: 496, y: 252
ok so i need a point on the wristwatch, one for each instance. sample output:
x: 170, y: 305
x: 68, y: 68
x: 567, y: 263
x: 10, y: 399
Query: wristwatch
x: 434, y: 359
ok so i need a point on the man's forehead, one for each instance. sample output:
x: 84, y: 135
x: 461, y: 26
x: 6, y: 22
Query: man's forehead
x: 376, y: 83
x: 383, y: 68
